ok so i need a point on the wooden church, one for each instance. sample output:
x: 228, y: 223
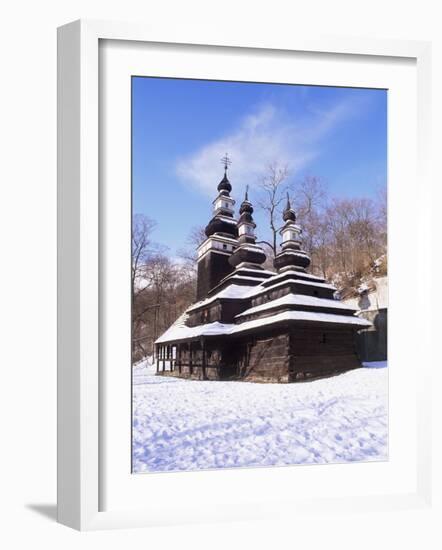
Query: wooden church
x: 253, y: 324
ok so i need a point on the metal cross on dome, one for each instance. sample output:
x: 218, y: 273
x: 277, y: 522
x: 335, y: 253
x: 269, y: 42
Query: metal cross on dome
x: 226, y: 161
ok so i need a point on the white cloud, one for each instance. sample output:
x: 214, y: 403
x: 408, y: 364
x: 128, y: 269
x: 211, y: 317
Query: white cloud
x: 265, y: 135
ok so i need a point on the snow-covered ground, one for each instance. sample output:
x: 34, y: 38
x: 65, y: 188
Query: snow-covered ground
x: 189, y: 425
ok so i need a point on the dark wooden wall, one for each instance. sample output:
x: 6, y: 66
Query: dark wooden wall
x: 287, y: 355
x: 319, y: 352
x: 266, y: 359
x: 211, y: 269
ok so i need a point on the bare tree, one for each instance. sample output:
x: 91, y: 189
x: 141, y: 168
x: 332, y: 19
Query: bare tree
x: 356, y: 237
x: 310, y: 196
x: 189, y: 254
x: 162, y: 288
x: 310, y: 200
x: 274, y: 187
x: 169, y: 289
x: 344, y: 237
x: 142, y: 247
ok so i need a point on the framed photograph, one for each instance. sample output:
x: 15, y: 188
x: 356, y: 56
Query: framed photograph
x: 237, y: 335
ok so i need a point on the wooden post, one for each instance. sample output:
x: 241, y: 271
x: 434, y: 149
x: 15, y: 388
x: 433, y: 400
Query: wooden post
x: 179, y: 357
x: 203, y: 359
x: 164, y: 357
x: 157, y: 347
x: 190, y: 358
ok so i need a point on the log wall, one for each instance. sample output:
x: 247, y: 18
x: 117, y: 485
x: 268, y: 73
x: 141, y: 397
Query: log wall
x: 317, y: 352
x: 288, y: 355
x: 266, y: 359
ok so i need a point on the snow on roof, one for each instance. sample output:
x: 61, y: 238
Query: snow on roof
x: 313, y: 316
x: 178, y: 325
x: 260, y: 289
x: 296, y: 274
x: 231, y: 291
x: 298, y: 300
x: 293, y: 253
x: 246, y: 278
x: 226, y: 219
x: 243, y: 267
x: 181, y: 332
x: 235, y: 291
x: 233, y: 279
x: 250, y: 247
x: 240, y: 270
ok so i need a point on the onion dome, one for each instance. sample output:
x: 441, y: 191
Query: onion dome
x: 246, y: 211
x: 223, y: 225
x: 223, y: 222
x: 224, y: 186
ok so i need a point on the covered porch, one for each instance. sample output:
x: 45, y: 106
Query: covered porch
x: 198, y: 359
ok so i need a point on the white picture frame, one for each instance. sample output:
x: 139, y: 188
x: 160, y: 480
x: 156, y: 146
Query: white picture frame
x: 79, y: 268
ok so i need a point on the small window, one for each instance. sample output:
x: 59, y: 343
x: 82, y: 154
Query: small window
x: 324, y: 338
x: 224, y: 247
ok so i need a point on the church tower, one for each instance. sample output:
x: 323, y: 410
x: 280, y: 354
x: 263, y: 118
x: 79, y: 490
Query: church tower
x: 248, y: 254
x: 221, y: 232
x: 291, y: 255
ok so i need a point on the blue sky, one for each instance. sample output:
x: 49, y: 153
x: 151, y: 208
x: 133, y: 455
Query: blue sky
x: 181, y: 129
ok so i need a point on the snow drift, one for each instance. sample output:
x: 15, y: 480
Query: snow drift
x: 190, y: 425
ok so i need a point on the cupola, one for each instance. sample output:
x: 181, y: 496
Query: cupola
x: 248, y: 251
x: 291, y: 255
x: 223, y: 208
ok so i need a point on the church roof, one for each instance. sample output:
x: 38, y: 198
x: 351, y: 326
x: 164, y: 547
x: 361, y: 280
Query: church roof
x: 242, y: 291
x: 233, y: 291
x: 297, y: 300
x: 344, y: 314
x: 180, y: 332
x: 294, y: 274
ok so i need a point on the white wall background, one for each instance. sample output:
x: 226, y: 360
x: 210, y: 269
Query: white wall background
x: 28, y: 254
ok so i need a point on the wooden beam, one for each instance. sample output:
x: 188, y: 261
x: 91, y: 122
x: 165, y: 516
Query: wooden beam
x: 164, y: 357
x: 203, y: 360
x: 157, y: 347
x: 190, y: 358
